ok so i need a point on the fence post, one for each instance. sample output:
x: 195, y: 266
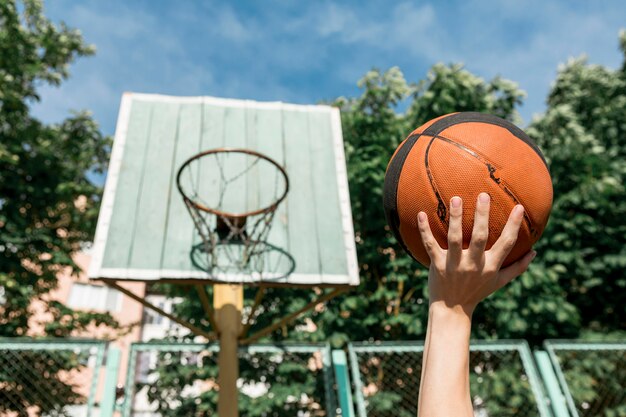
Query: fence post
x: 340, y: 364
x: 557, y: 399
x: 107, y: 405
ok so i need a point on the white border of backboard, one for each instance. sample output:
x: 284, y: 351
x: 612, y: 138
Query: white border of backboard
x: 108, y: 197
x: 106, y: 210
x: 344, y: 198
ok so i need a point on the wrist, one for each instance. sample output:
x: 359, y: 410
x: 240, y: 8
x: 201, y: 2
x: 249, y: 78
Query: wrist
x: 450, y: 327
x: 439, y: 309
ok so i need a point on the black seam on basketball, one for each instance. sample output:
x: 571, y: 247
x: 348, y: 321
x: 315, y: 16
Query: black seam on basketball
x: 442, y: 210
x: 390, y: 193
x: 394, y: 169
x: 468, y: 149
x: 390, y: 187
x: 467, y: 117
x: 492, y: 174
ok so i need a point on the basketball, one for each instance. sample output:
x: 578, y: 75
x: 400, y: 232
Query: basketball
x: 464, y: 154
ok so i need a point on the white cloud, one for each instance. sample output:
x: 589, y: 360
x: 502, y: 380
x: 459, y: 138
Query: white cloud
x: 523, y: 41
x: 135, y: 52
x: 334, y: 19
x: 228, y: 25
x: 305, y: 52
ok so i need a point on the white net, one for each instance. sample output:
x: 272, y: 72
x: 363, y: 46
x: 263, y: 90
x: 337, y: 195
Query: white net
x: 232, y: 196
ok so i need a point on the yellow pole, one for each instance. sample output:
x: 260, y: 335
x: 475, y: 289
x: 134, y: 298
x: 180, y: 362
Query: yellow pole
x: 228, y: 304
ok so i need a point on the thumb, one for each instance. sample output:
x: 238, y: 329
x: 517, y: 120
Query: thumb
x: 514, y: 270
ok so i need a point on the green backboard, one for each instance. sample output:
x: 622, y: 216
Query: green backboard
x: 144, y: 230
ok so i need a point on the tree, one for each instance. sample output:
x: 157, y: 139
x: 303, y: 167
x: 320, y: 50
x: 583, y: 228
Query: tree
x: 48, y: 205
x: 583, y: 135
x: 391, y: 302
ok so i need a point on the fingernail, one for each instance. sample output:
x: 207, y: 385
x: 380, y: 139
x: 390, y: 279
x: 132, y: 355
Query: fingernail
x: 421, y: 217
x: 533, y: 255
x: 519, y: 209
x: 455, y: 202
x: 484, y: 198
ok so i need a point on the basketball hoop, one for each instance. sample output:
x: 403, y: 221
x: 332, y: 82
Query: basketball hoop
x: 232, y: 196
x: 239, y: 208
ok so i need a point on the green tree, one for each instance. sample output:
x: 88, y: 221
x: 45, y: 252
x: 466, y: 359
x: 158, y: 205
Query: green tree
x: 583, y: 135
x: 48, y: 205
x: 451, y: 88
x: 391, y: 302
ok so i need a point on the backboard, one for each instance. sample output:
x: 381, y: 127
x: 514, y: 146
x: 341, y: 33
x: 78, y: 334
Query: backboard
x: 144, y: 231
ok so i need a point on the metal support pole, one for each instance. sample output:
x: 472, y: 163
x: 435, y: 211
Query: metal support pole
x: 550, y: 381
x: 107, y: 405
x: 288, y: 318
x: 228, y: 304
x: 194, y: 329
x: 340, y: 363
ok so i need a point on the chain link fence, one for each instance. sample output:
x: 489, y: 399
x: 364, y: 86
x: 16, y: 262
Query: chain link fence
x: 174, y: 379
x: 503, y: 379
x: 48, y: 378
x: 60, y: 378
x: 592, y: 376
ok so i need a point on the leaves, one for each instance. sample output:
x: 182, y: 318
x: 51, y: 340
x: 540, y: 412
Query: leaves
x: 48, y: 205
x: 583, y: 136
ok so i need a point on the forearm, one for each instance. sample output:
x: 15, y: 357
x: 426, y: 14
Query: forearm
x: 444, y: 388
x: 460, y: 278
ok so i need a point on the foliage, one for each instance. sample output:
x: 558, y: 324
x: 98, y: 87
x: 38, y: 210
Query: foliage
x: 275, y: 384
x: 449, y: 89
x: 48, y: 206
x: 394, y: 305
x: 596, y: 380
x: 390, y: 377
x: 52, y: 394
x: 583, y: 135
x: 500, y: 385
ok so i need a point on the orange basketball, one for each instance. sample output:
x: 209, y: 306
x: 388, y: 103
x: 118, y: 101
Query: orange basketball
x: 464, y: 154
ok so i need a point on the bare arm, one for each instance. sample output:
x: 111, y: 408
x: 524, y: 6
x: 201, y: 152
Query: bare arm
x: 458, y: 280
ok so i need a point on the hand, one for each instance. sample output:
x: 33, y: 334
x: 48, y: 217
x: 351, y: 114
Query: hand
x: 461, y: 278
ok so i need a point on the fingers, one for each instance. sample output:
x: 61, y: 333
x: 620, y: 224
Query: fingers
x: 455, y: 231
x: 505, y: 243
x: 514, y: 270
x: 430, y: 243
x: 480, y: 233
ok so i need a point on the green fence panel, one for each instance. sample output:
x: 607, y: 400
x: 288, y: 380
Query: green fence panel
x: 60, y: 377
x: 592, y: 376
x: 504, y: 380
x: 49, y: 376
x: 174, y: 379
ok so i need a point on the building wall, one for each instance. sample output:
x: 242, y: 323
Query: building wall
x: 126, y: 311
x: 79, y: 293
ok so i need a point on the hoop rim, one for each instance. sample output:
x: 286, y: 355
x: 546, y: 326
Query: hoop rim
x: 220, y: 213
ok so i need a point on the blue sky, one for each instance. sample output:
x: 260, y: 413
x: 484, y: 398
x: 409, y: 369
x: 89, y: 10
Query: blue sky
x: 304, y: 52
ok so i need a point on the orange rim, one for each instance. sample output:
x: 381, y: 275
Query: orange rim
x: 220, y: 213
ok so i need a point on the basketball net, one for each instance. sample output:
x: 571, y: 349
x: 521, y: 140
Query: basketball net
x: 232, y: 196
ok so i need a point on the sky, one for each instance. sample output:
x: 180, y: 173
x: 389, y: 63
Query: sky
x: 308, y: 51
